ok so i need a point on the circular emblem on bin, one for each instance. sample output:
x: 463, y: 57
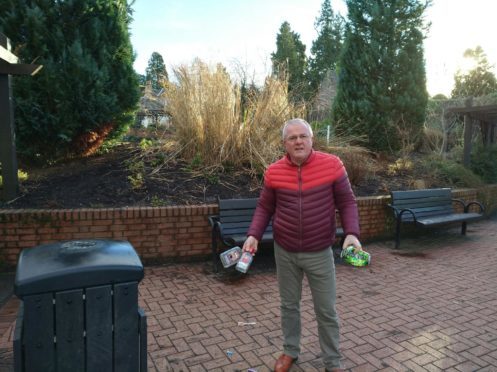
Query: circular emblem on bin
x: 79, y: 246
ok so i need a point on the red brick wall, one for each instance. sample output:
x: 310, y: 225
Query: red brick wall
x: 157, y: 234
x: 163, y: 233
x: 373, y: 217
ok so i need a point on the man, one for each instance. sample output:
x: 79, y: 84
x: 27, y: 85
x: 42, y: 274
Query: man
x: 301, y: 193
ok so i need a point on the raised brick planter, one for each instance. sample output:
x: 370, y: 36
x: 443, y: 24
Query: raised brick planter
x: 165, y: 234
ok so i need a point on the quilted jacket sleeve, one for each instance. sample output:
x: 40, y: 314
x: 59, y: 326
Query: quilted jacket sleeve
x: 263, y: 212
x: 346, y: 204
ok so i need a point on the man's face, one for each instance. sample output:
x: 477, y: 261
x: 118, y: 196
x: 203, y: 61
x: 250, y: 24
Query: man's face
x: 298, y: 142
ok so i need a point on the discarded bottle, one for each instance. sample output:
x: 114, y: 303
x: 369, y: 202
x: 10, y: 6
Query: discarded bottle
x: 231, y: 256
x: 355, y: 258
x: 244, y: 262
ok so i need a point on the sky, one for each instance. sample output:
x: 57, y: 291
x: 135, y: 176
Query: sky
x: 241, y: 34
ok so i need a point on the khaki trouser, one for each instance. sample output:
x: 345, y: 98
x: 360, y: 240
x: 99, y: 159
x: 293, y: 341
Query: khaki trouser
x: 319, y: 268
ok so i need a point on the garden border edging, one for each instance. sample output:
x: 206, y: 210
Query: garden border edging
x: 167, y: 234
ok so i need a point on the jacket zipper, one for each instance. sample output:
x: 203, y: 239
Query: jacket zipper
x: 300, y: 208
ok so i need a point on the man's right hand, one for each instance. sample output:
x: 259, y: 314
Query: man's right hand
x: 250, y: 245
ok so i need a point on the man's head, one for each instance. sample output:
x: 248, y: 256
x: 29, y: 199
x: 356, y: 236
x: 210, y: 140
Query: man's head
x: 297, y: 138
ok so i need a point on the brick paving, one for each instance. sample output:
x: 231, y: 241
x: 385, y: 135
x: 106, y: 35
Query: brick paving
x: 430, y: 306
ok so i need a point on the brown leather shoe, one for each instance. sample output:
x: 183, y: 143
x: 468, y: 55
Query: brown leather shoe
x: 284, y: 363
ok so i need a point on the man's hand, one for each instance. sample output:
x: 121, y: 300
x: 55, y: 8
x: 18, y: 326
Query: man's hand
x: 352, y: 240
x: 250, y: 245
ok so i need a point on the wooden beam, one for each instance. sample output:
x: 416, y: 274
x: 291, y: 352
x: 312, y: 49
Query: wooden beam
x: 7, y: 56
x: 5, y: 53
x: 19, y: 68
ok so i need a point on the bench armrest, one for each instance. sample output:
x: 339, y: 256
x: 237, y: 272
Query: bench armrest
x: 213, y: 219
x: 215, y: 225
x: 460, y: 202
x: 405, y: 211
x: 466, y: 207
x: 218, y: 227
x: 398, y: 213
x: 395, y: 209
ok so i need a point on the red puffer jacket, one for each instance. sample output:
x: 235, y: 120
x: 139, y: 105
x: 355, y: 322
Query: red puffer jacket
x: 302, y: 201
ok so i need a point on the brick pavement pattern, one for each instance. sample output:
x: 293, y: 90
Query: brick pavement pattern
x: 430, y: 306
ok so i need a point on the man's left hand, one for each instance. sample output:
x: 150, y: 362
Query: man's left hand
x: 352, y: 240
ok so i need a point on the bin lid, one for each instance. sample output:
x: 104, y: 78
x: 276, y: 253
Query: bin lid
x: 76, y: 264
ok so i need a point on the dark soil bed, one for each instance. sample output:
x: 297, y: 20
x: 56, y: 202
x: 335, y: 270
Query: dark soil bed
x: 103, y: 181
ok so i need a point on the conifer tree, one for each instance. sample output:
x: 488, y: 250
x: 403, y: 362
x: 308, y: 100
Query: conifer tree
x: 87, y: 89
x: 325, y: 50
x: 156, y: 72
x: 290, y: 59
x: 382, y: 80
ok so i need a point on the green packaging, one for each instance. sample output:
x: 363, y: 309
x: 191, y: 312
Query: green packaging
x: 352, y: 257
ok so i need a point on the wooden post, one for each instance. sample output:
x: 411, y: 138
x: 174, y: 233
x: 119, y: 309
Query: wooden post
x: 487, y: 129
x: 468, y: 134
x: 7, y: 141
x: 445, y: 135
x: 8, y: 159
x: 7, y: 135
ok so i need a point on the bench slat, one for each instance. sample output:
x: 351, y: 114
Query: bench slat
x: 413, y: 194
x: 238, y: 239
x: 234, y: 228
x: 230, y: 219
x: 440, y: 220
x: 227, y: 204
x: 425, y: 212
x: 235, y: 212
x: 245, y: 224
x: 406, y: 203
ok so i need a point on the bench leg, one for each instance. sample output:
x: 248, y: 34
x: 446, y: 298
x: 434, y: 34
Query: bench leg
x: 337, y: 248
x: 397, y: 234
x: 463, y: 228
x: 214, y: 250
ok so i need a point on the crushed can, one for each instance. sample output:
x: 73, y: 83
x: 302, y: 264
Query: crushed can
x: 231, y: 257
x: 352, y: 257
x: 244, y: 262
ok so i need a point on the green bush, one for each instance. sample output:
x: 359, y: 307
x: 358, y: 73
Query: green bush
x: 451, y: 172
x: 483, y: 162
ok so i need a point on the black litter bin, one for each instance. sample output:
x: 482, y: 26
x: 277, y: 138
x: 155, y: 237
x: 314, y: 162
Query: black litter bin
x: 79, y: 308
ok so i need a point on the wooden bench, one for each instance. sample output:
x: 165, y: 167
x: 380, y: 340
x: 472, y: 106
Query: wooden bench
x: 430, y: 207
x: 232, y: 222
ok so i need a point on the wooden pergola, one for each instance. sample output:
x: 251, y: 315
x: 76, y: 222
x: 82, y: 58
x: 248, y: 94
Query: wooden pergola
x: 479, y: 111
x: 152, y: 106
x: 9, y: 66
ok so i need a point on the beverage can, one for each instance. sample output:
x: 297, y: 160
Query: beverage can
x: 355, y: 258
x: 231, y: 256
x: 244, y: 262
